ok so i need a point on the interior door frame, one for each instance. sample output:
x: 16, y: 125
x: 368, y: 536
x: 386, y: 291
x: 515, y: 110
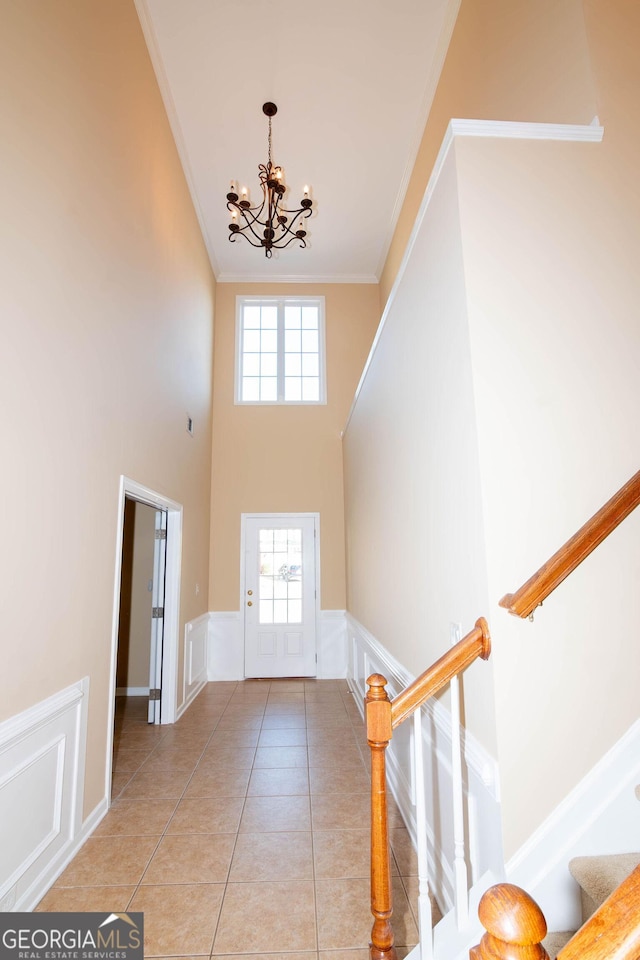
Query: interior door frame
x: 156, y: 647
x: 243, y: 553
x: 169, y: 698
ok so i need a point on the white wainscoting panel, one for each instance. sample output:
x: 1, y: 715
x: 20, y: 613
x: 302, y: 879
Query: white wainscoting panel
x: 225, y: 654
x: 480, y: 779
x: 225, y: 657
x: 332, y: 645
x: 196, y: 643
x: 42, y: 757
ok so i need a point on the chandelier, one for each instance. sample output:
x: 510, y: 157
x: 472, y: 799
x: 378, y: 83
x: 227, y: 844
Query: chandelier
x: 268, y: 224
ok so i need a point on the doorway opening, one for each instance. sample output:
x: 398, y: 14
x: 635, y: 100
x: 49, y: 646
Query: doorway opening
x: 141, y: 617
x: 146, y: 607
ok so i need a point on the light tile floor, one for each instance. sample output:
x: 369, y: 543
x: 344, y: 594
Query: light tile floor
x: 243, y: 829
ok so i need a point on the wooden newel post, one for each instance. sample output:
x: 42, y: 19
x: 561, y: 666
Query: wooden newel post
x: 379, y: 733
x: 514, y: 923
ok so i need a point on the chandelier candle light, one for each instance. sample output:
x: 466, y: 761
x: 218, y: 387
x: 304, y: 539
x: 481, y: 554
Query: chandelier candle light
x: 268, y: 224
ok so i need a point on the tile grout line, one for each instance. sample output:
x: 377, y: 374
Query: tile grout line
x: 314, y: 708
x: 237, y: 832
x: 178, y: 799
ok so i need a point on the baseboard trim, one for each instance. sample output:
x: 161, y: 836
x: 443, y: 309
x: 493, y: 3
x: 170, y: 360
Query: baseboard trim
x: 192, y: 696
x: 36, y: 892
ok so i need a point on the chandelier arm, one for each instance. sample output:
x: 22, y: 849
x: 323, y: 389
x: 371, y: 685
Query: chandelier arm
x: 248, y: 229
x: 233, y: 236
x: 281, y: 246
x: 290, y: 226
x: 246, y: 212
x: 241, y: 232
x: 255, y: 219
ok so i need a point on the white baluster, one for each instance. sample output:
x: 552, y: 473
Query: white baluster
x: 425, y: 921
x: 459, y: 861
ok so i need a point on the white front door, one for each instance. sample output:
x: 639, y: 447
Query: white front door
x: 280, y: 596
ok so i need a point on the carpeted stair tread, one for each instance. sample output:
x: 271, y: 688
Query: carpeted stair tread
x: 599, y: 876
x: 554, y: 942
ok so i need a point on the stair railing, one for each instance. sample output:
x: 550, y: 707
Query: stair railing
x: 382, y: 717
x: 516, y: 926
x: 530, y: 595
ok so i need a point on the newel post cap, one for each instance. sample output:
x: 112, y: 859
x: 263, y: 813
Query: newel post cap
x: 377, y: 683
x: 509, y: 914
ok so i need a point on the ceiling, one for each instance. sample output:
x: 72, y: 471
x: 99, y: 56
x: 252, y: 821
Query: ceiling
x: 353, y: 81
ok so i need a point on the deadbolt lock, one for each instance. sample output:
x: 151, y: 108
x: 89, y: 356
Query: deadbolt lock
x: 250, y: 593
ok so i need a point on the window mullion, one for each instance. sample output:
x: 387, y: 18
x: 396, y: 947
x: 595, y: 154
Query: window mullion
x: 281, y: 351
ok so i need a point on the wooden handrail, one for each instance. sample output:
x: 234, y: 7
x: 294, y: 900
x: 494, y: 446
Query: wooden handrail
x: 382, y: 716
x: 516, y: 926
x: 523, y: 602
x: 477, y: 643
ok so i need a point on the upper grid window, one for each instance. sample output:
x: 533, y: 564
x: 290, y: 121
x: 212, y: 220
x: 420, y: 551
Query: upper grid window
x: 280, y: 351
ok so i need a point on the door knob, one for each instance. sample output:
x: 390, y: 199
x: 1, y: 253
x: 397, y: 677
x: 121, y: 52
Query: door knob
x: 249, y: 603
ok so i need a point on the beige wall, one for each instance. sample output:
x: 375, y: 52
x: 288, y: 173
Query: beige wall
x: 507, y: 60
x: 549, y: 240
x: 281, y: 459
x: 106, y: 299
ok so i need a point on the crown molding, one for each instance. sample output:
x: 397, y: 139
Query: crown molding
x: 311, y: 279
x: 521, y: 130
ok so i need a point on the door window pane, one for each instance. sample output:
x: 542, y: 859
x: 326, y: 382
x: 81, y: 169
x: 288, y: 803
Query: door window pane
x: 280, y: 567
